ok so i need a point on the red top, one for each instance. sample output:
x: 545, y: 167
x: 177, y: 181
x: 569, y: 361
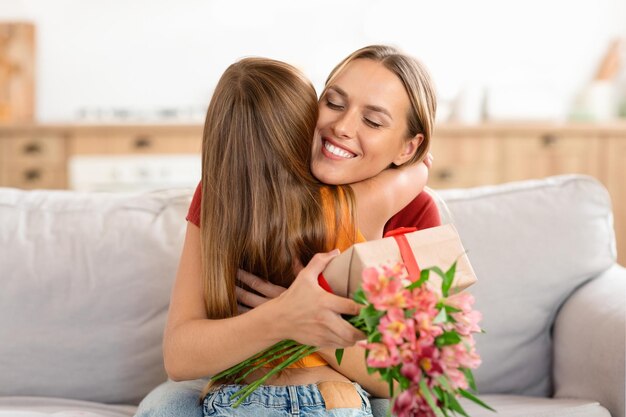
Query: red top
x: 420, y: 213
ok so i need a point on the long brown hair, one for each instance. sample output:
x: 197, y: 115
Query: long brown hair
x: 261, y: 206
x: 417, y: 83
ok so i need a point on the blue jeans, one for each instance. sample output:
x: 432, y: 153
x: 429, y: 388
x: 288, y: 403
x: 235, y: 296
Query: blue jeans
x: 286, y: 401
x: 182, y: 399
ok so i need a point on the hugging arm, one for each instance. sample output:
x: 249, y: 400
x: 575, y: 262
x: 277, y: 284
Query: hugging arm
x: 195, y: 346
x: 380, y: 197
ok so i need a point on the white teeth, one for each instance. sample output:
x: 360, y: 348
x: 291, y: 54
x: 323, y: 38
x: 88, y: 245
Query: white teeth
x: 337, y: 151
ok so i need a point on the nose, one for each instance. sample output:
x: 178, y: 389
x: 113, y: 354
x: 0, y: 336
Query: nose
x: 345, y: 125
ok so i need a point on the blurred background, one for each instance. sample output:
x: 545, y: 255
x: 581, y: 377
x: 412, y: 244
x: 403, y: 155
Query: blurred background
x: 159, y: 59
x: 110, y: 95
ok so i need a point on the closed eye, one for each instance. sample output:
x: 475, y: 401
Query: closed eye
x: 371, y: 123
x: 333, y: 106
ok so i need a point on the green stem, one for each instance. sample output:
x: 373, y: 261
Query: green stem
x: 266, y: 360
x: 233, y: 370
x: 244, y: 392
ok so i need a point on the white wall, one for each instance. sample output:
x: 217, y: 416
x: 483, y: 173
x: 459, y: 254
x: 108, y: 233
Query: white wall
x: 148, y: 54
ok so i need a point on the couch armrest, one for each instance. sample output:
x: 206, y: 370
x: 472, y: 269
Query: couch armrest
x: 589, y: 342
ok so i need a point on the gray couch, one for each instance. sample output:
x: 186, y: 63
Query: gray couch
x: 86, y: 279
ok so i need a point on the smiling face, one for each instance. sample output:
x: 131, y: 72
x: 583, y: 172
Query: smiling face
x: 362, y: 125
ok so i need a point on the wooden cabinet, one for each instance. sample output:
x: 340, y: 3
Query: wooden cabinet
x: 136, y: 141
x: 541, y: 154
x: 463, y: 160
x: 34, y: 160
x: 468, y: 156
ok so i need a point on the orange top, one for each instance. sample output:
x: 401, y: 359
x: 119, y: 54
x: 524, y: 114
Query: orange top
x: 345, y: 237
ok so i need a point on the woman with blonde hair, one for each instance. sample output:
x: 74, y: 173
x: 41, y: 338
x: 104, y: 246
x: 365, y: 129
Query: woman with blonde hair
x: 262, y: 211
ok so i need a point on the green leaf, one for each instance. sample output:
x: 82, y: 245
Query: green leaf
x: 339, y: 355
x: 448, y: 338
x: 438, y: 271
x: 470, y: 397
x: 428, y: 396
x: 455, y: 405
x: 371, y: 317
x: 359, y: 297
x: 447, y: 280
x: 441, y: 317
x: 470, y: 378
x: 451, y: 309
x: 424, y: 275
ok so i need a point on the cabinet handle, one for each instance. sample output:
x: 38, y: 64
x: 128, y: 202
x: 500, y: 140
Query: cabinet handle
x: 444, y: 174
x: 31, y: 148
x: 549, y: 139
x: 32, y: 174
x: 143, y: 142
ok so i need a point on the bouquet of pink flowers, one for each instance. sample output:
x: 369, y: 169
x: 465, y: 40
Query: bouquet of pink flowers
x: 419, y: 339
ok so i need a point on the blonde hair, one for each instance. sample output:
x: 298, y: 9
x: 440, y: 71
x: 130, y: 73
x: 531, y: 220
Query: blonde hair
x: 261, y: 207
x: 417, y: 83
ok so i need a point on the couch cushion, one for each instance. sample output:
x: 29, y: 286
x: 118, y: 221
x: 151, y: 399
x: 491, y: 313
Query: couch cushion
x: 531, y: 244
x: 60, y: 407
x: 518, y: 406
x: 86, y: 279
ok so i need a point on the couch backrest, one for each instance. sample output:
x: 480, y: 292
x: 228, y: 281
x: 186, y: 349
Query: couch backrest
x: 86, y: 277
x: 85, y: 282
x: 531, y: 244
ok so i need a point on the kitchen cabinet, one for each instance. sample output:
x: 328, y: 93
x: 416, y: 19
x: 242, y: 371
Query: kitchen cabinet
x: 136, y: 140
x: 541, y: 154
x: 34, y: 159
x: 464, y: 160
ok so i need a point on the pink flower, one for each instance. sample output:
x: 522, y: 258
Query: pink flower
x: 425, y: 327
x: 384, y: 291
x: 409, y: 351
x: 461, y: 355
x: 467, y: 323
x: 411, y: 371
x: 373, y: 281
x: 405, y: 404
x: 380, y: 356
x: 411, y: 403
x: 457, y: 378
x: 393, y: 325
x: 429, y: 361
x: 423, y: 299
x: 462, y: 301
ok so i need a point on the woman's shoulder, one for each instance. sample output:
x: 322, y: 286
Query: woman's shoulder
x: 421, y: 213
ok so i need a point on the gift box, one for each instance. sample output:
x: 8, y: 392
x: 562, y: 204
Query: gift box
x: 434, y: 247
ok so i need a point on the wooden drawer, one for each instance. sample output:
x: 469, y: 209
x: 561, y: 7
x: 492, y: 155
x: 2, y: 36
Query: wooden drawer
x: 135, y: 143
x: 541, y: 155
x: 464, y: 161
x: 35, y: 150
x: 37, y: 177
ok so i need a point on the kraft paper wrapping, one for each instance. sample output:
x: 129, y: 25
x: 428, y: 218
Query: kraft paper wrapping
x: 438, y: 246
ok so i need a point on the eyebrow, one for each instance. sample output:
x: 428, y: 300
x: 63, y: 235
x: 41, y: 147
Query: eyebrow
x: 372, y: 107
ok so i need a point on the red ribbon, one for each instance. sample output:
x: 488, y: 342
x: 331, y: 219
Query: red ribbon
x: 323, y: 283
x: 406, y: 253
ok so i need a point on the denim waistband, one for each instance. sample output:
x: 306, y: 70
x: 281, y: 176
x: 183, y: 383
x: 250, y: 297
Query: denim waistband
x: 286, y: 397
